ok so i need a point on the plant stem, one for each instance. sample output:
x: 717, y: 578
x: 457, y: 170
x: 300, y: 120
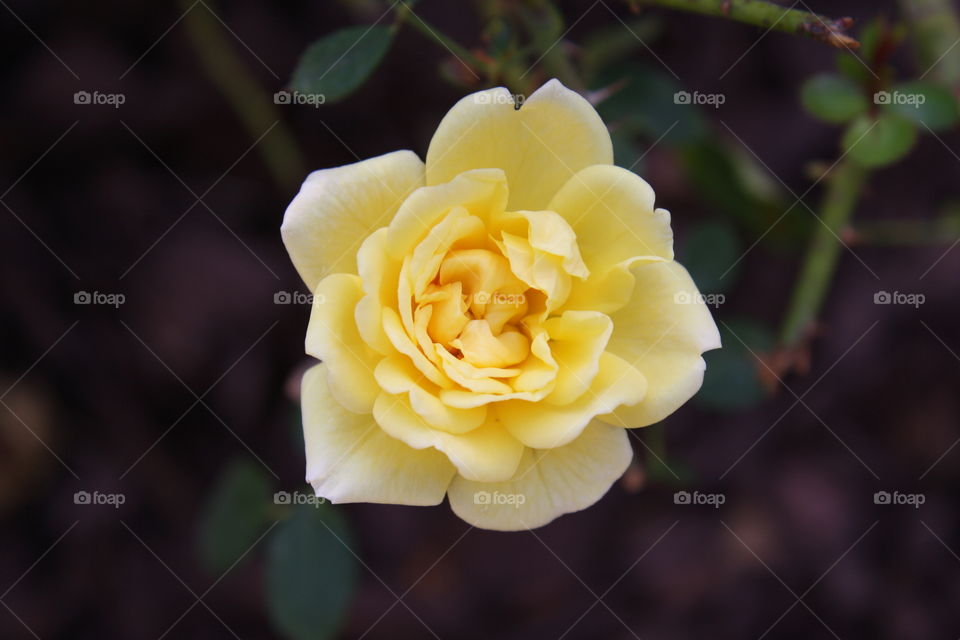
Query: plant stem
x: 905, y: 233
x: 250, y: 102
x: 843, y: 189
x: 771, y: 16
x: 403, y: 13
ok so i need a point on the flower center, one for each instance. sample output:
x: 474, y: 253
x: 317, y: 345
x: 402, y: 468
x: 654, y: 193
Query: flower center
x: 477, y: 305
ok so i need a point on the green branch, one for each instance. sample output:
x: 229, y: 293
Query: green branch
x: 906, y: 233
x: 251, y: 103
x: 406, y: 15
x: 844, y: 184
x: 832, y: 31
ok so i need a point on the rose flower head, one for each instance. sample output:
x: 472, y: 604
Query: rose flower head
x: 489, y: 323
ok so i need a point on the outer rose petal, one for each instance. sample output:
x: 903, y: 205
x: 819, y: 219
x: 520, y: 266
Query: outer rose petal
x: 611, y: 210
x: 487, y: 453
x: 662, y: 331
x: 540, y: 146
x: 552, y: 483
x: 332, y: 336
x: 543, y: 426
x: 337, y: 208
x: 350, y: 459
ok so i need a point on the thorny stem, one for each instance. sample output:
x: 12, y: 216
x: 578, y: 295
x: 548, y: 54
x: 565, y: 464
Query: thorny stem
x: 405, y: 15
x: 843, y: 190
x: 832, y: 31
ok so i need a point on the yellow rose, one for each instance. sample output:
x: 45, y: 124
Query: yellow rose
x: 489, y: 322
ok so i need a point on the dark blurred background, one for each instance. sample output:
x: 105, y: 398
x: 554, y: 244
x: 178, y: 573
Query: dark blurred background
x: 173, y: 200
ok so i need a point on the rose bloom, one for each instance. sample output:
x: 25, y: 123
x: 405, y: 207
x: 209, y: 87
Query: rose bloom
x: 491, y: 322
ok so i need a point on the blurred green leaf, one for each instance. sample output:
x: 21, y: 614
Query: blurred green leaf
x: 643, y: 103
x: 543, y: 20
x: 709, y: 250
x: 833, y: 98
x: 853, y: 67
x: 730, y: 382
x: 311, y: 575
x: 670, y: 472
x: 715, y: 180
x: 925, y: 103
x: 881, y: 141
x: 338, y: 63
x: 870, y: 37
x: 626, y: 151
x: 235, y: 515
x: 500, y: 37
x: 296, y: 428
x: 729, y: 179
x: 611, y: 44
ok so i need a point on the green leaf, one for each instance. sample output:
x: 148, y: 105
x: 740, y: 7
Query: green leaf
x: 311, y: 574
x: 833, y: 98
x: 337, y: 64
x: 879, y: 142
x: 922, y: 102
x: 709, y: 250
x: 725, y: 177
x: 870, y: 37
x: 730, y: 382
x: 235, y: 515
x: 852, y: 66
x: 500, y: 37
x: 644, y: 104
x: 613, y: 43
x: 626, y: 152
